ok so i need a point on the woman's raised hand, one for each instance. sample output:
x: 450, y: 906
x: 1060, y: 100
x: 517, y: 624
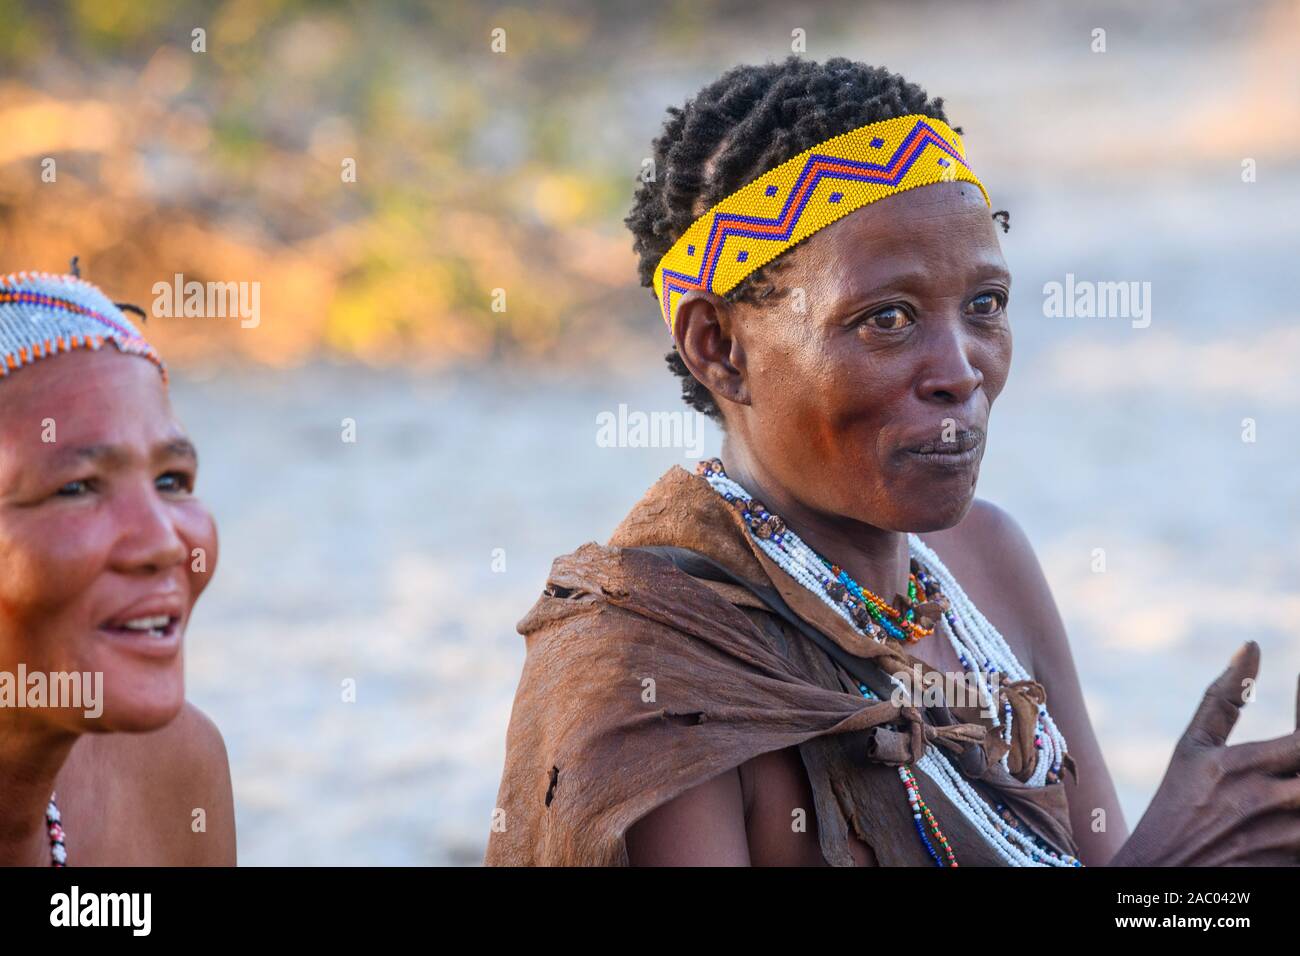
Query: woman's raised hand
x: 1221, y: 804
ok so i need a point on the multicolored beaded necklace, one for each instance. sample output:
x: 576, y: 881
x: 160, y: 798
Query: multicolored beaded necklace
x: 908, y: 620
x: 927, y: 827
x: 980, y: 648
x: 54, y: 827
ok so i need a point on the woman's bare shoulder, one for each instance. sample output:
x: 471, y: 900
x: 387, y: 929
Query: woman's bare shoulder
x: 179, y: 777
x: 985, y: 526
x: 993, y: 560
x: 189, y: 743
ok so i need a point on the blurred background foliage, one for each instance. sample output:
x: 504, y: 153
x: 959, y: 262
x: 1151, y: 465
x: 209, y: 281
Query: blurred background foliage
x: 479, y: 170
x: 226, y: 165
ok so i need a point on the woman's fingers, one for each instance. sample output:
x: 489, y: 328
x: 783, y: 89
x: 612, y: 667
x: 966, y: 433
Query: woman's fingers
x: 1223, y: 700
x: 1283, y: 796
x: 1280, y: 755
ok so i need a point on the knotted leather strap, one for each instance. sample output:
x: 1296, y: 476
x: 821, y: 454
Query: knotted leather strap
x: 931, y: 723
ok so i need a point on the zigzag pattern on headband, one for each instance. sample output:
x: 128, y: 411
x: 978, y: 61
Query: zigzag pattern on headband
x: 804, y: 194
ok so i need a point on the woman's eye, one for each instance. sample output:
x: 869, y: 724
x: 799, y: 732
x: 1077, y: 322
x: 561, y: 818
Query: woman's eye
x: 174, y: 482
x: 990, y: 303
x: 890, y: 319
x: 74, y: 489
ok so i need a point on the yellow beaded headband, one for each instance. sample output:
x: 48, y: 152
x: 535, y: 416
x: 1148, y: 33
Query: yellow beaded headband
x: 781, y: 208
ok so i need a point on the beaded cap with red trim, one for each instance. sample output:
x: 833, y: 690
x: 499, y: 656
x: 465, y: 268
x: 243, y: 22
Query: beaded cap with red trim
x: 42, y: 314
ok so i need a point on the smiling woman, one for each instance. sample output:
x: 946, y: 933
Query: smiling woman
x: 104, y: 550
x: 724, y: 683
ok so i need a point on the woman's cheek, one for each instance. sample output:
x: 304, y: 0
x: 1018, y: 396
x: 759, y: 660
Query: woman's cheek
x: 62, y: 552
x: 49, y: 565
x: 998, y: 365
x: 198, y: 529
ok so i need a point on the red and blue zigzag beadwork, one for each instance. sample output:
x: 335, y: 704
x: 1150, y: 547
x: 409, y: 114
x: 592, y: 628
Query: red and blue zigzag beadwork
x: 816, y: 167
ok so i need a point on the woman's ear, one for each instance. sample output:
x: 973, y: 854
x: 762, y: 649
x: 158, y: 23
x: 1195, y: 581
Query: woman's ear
x: 709, y: 346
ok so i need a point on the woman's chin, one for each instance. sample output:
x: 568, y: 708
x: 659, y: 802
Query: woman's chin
x: 935, y: 513
x: 138, y: 712
x: 135, y: 717
x: 140, y: 686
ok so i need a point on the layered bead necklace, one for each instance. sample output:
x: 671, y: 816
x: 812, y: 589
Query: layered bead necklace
x: 934, y: 596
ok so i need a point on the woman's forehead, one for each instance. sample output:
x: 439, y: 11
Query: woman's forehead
x: 943, y: 226
x: 86, y: 391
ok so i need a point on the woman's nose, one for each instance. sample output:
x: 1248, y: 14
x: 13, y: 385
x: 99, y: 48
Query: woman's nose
x: 148, y: 541
x: 948, y: 374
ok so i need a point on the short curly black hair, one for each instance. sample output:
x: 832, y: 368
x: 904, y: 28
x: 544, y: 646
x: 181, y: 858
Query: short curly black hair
x: 748, y: 121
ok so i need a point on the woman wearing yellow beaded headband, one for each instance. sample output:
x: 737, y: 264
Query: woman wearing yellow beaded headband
x: 821, y: 185
x: 729, y: 681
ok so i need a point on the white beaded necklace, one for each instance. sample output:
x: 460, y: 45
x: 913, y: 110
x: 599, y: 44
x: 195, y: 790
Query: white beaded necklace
x: 982, y: 651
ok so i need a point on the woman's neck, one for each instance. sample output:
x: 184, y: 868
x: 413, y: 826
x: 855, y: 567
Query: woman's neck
x: 31, y: 755
x: 877, y: 559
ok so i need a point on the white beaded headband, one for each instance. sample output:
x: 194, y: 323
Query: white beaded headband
x: 42, y: 314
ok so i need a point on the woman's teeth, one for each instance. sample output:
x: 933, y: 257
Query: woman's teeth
x: 154, y: 625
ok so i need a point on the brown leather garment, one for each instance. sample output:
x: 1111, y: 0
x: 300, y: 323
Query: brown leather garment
x: 642, y: 681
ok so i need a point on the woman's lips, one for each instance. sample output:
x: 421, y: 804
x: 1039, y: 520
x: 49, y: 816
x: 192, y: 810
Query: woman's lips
x: 151, y: 627
x: 958, y: 453
x: 161, y: 641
